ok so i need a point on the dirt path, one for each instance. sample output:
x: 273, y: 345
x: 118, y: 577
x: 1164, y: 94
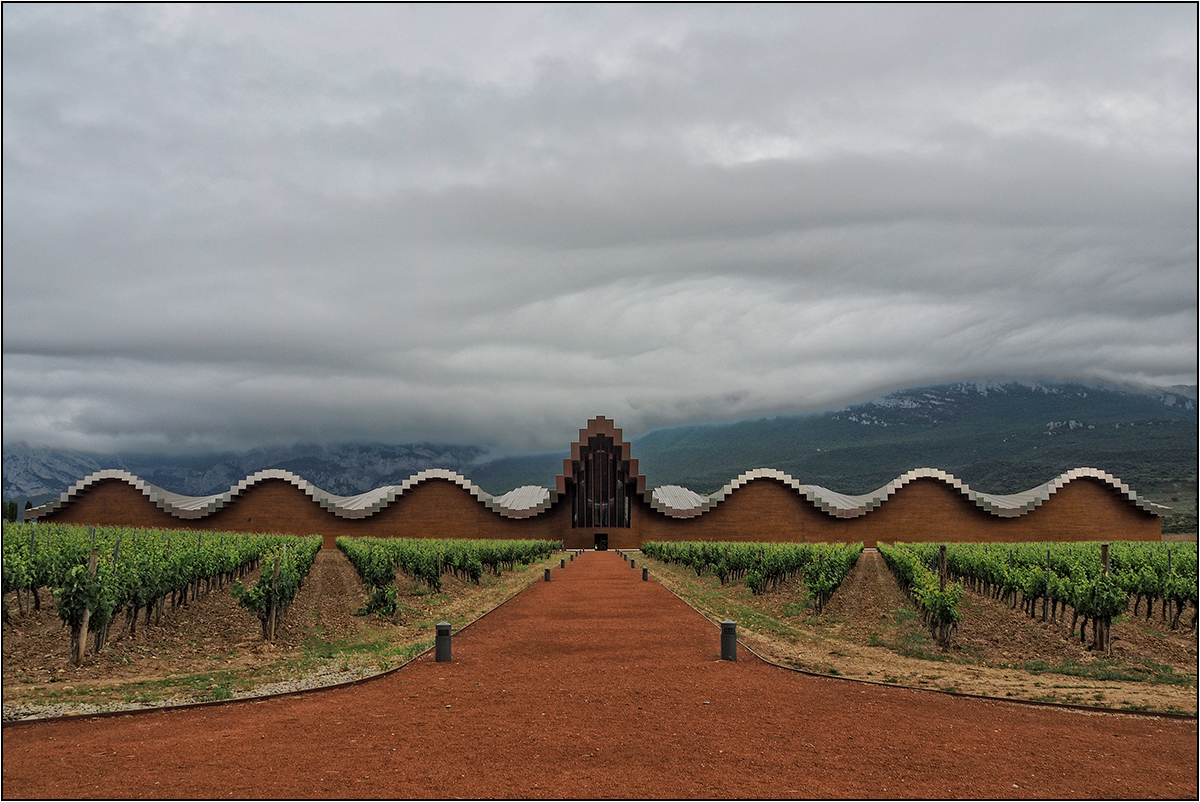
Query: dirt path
x: 867, y: 597
x: 597, y: 684
x: 334, y: 592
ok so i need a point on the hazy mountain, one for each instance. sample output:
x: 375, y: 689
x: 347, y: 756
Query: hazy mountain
x: 340, y: 469
x: 998, y: 437
x: 40, y: 472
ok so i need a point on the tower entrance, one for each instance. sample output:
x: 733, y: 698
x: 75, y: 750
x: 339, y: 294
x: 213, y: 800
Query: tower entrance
x: 601, y: 486
x: 601, y: 483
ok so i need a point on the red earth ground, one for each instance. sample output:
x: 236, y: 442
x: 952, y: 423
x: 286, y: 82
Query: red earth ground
x: 597, y: 684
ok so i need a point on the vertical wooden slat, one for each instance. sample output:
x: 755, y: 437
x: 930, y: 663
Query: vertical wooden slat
x: 621, y: 498
x: 606, y: 491
x: 591, y: 497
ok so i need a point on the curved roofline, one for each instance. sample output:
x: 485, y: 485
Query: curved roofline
x: 531, y: 500
x: 840, y: 505
x: 523, y: 502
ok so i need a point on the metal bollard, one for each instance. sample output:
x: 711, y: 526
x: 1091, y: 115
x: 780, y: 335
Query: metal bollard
x: 572, y: 558
x: 562, y: 563
x: 633, y: 563
x: 728, y: 640
x: 645, y: 574
x: 442, y: 642
x: 547, y: 574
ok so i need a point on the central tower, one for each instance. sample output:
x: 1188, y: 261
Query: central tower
x: 600, y: 479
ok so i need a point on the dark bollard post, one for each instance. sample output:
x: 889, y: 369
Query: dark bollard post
x: 729, y: 640
x: 645, y: 574
x: 562, y: 563
x: 572, y: 558
x: 442, y: 642
x: 547, y: 574
x: 633, y: 563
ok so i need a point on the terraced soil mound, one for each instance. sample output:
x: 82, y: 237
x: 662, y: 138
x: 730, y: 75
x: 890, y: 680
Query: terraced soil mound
x: 598, y: 684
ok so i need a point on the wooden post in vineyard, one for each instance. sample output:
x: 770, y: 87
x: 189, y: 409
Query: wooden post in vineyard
x: 196, y: 582
x: 1046, y: 598
x: 1166, y: 595
x: 942, y: 568
x: 274, y: 593
x: 32, y: 547
x: 80, y: 646
x: 1106, y: 640
x: 102, y: 635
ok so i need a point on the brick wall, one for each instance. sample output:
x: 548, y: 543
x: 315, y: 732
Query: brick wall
x: 762, y: 510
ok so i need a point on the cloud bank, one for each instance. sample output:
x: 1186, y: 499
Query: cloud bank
x: 227, y: 227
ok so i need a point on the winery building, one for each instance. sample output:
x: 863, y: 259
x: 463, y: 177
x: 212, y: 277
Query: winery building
x: 601, y: 500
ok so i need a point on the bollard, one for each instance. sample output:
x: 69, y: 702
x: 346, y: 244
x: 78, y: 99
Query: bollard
x: 562, y: 563
x: 572, y: 558
x: 442, y: 641
x: 633, y: 563
x: 645, y: 574
x: 729, y: 640
x: 547, y: 574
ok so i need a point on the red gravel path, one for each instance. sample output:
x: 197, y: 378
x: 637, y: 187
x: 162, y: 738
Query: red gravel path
x: 597, y: 684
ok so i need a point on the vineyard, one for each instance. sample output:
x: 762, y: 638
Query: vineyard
x: 177, y: 614
x: 221, y: 613
x: 765, y: 566
x: 96, y: 573
x: 377, y: 560
x: 598, y: 684
x: 1097, y: 581
x: 987, y: 621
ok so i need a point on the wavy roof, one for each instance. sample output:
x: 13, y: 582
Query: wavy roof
x: 679, y: 502
x: 523, y: 502
x: 531, y: 500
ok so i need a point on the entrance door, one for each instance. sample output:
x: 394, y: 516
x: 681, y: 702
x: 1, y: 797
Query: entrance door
x: 601, y: 541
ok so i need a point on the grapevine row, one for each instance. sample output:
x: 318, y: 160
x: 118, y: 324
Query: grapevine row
x: 289, y: 563
x: 96, y: 572
x: 378, y: 559
x: 936, y: 600
x: 1072, y: 575
x: 823, y: 566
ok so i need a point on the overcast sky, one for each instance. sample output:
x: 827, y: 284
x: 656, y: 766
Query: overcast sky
x: 233, y: 226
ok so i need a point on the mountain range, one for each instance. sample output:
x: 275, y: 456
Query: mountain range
x: 1000, y: 437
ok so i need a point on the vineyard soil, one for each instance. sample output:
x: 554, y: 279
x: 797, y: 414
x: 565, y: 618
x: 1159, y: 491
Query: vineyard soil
x: 213, y: 649
x: 869, y: 631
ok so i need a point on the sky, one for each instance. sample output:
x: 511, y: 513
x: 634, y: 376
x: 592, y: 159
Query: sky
x: 234, y: 226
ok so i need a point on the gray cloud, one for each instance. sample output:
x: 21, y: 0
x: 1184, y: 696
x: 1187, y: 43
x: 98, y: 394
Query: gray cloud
x: 233, y: 226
